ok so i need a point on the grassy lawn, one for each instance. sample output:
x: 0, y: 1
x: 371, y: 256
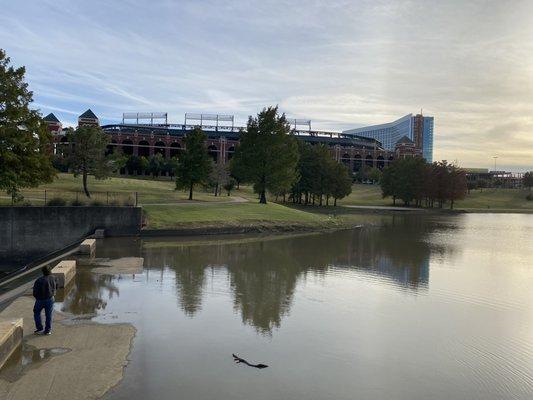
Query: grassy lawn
x: 365, y: 195
x: 149, y: 191
x: 227, y: 214
x: 511, y: 199
x: 498, y: 199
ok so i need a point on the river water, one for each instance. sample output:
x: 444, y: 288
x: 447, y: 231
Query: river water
x: 414, y: 307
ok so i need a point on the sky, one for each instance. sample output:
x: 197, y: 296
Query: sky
x: 342, y: 64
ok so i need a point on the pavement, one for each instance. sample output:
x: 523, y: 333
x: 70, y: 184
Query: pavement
x: 85, y: 359
x: 388, y: 208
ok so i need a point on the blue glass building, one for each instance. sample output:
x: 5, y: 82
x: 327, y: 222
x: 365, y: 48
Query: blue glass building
x: 416, y: 127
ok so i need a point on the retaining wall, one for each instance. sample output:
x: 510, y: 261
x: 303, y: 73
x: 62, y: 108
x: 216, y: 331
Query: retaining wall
x: 27, y: 233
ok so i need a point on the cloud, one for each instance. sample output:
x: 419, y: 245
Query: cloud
x: 340, y: 63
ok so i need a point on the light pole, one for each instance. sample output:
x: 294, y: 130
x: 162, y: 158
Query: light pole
x: 495, y: 157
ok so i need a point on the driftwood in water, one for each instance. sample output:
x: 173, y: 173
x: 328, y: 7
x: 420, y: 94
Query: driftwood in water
x: 239, y: 360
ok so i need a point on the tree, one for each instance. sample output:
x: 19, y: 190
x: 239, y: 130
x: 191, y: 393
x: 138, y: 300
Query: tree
x: 457, y: 187
x: 374, y: 175
x: 267, y: 155
x: 25, y: 156
x: 194, y: 164
x: 156, y: 164
x: 218, y: 177
x: 86, y: 154
x: 527, y: 180
x: 341, y: 182
x: 230, y: 185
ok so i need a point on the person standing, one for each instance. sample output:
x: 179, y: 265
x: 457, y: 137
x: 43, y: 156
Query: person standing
x: 44, y: 290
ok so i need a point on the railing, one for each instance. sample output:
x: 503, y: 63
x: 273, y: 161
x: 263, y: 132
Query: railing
x: 58, y: 197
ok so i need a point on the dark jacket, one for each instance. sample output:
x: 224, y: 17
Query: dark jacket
x: 44, y: 288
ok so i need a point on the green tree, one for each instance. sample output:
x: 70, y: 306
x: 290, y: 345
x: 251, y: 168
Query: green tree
x: 267, y: 155
x: 527, y: 180
x: 156, y: 164
x: 341, y: 182
x: 230, y: 185
x: 25, y: 142
x: 86, y: 154
x: 374, y: 175
x: 218, y: 177
x: 194, y: 164
x: 457, y: 187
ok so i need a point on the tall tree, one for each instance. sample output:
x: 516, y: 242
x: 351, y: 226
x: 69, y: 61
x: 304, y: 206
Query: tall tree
x: 194, y: 162
x: 218, y: 177
x: 527, y: 180
x: 341, y: 182
x: 86, y: 154
x: 267, y: 155
x: 25, y: 156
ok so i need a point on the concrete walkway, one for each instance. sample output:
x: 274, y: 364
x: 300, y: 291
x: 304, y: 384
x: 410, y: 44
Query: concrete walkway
x: 387, y: 208
x: 89, y: 359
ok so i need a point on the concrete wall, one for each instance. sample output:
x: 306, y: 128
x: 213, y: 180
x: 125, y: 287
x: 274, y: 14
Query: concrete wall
x: 27, y: 233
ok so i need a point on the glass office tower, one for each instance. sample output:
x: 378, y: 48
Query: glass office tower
x: 416, y: 127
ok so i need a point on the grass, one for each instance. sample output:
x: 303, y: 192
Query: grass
x: 167, y: 217
x: 476, y: 200
x: 149, y: 191
x: 499, y: 199
x: 166, y: 208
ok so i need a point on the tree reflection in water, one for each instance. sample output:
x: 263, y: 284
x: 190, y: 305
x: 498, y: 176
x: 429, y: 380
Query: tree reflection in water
x: 90, y: 292
x: 263, y: 274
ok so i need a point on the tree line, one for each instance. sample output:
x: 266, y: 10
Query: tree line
x: 418, y: 183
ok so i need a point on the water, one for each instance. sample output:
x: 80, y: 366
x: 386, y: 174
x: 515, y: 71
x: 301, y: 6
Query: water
x: 417, y: 308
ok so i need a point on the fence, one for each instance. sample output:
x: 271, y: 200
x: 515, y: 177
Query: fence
x: 57, y: 197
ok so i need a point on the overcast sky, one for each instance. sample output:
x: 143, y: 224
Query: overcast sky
x: 342, y: 64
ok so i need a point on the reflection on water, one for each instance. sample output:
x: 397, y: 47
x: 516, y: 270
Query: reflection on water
x: 26, y: 357
x: 417, y: 307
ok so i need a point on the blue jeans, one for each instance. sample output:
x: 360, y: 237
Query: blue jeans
x: 48, y: 306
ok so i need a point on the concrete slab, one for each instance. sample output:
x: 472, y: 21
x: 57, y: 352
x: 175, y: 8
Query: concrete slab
x: 98, y: 354
x: 64, y: 272
x: 63, y: 292
x: 99, y: 234
x: 124, y: 265
x: 11, y: 333
x: 87, y: 247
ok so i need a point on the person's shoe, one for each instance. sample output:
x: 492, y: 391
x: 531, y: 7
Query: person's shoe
x: 37, y: 331
x: 47, y: 333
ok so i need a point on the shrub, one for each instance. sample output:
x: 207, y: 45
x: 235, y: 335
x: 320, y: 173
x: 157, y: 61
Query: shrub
x: 529, y: 197
x: 77, y: 203
x: 96, y: 203
x: 56, y: 202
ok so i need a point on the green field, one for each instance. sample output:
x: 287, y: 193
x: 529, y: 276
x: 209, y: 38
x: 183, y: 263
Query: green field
x: 149, y: 191
x: 251, y: 213
x: 476, y: 200
x: 166, y: 208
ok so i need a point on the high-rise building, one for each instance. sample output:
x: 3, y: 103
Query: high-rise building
x: 418, y: 128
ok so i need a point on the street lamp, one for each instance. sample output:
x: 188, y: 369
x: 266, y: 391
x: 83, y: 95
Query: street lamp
x: 495, y: 157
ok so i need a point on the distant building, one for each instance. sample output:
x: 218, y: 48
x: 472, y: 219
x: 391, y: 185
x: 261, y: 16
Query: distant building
x: 54, y: 125
x: 405, y: 147
x: 417, y: 128
x: 88, y: 118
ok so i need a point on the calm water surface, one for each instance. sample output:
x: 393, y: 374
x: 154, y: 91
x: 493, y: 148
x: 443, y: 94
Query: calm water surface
x: 416, y: 308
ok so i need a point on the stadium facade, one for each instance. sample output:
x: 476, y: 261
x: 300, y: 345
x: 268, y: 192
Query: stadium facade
x: 417, y: 128
x: 145, y: 137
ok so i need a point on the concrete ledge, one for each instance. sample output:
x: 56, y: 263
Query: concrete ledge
x: 87, y: 247
x: 11, y: 333
x: 64, y: 272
